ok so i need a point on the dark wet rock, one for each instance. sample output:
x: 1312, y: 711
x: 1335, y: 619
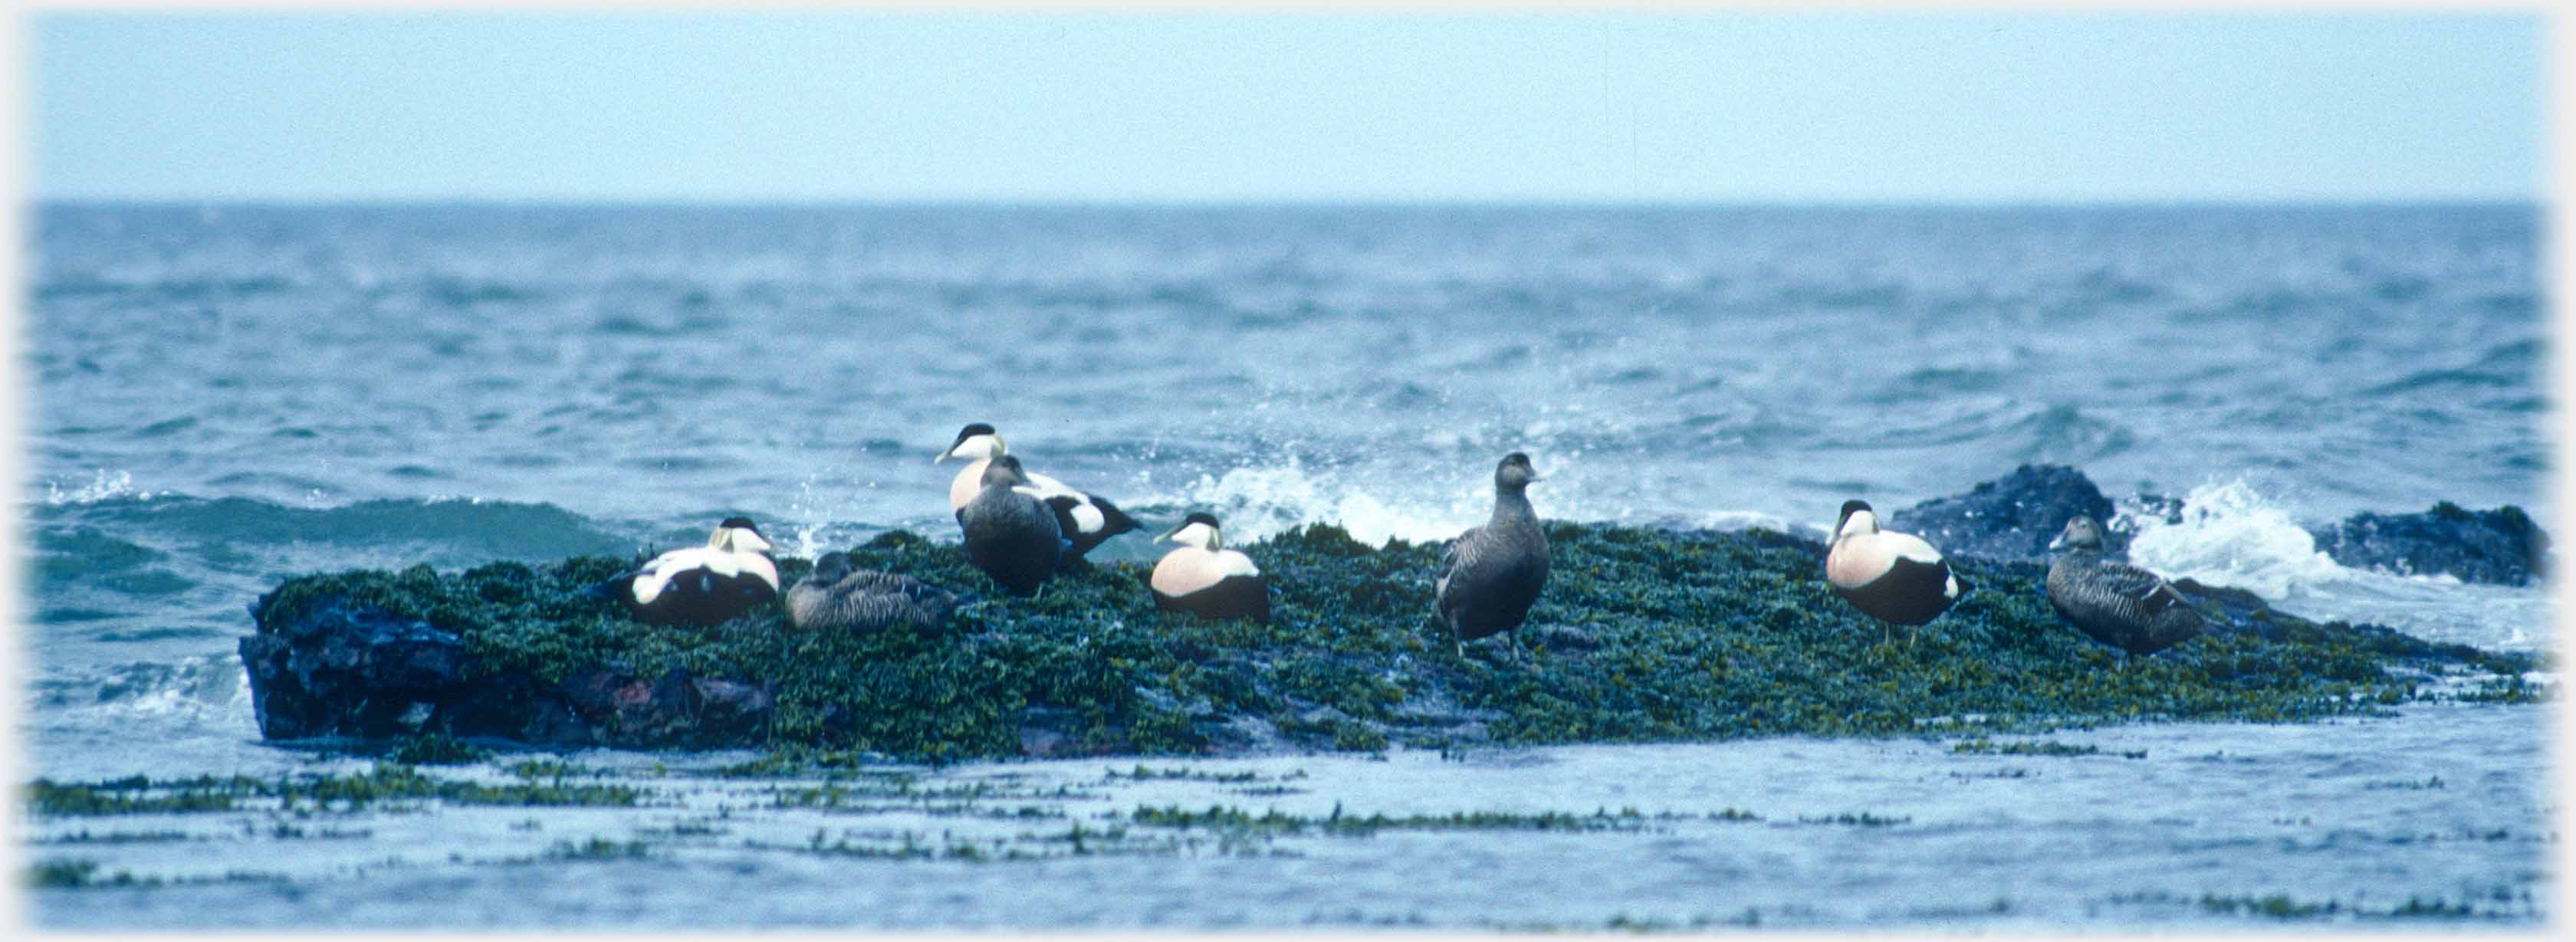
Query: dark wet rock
x: 2012, y: 517
x: 2501, y: 546
x: 1049, y: 732
x: 344, y: 669
x: 1641, y: 635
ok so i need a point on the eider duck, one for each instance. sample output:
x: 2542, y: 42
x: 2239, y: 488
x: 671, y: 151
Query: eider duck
x: 1893, y: 577
x: 2115, y: 603
x: 705, y: 585
x: 1204, y: 578
x: 1085, y: 520
x: 1494, y: 572
x: 1010, y: 534
x: 840, y: 597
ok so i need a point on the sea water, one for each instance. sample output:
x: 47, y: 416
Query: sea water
x: 226, y: 396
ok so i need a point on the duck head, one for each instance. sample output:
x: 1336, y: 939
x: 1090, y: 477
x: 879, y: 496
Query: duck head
x: 976, y: 440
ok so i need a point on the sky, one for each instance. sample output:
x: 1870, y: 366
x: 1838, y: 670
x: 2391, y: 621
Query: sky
x: 1148, y: 107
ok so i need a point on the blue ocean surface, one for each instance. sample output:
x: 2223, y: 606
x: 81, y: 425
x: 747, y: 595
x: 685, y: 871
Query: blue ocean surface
x: 225, y: 396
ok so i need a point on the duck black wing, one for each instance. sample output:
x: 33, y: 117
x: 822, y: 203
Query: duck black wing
x: 1068, y: 521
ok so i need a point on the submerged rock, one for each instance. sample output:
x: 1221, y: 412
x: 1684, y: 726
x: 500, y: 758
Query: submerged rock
x: 2012, y: 517
x: 1641, y: 635
x: 2501, y: 546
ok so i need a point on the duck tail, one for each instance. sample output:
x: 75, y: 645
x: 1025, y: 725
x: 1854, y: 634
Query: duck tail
x: 1114, y: 520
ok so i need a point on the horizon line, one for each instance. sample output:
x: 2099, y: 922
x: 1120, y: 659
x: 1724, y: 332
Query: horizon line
x: 609, y: 202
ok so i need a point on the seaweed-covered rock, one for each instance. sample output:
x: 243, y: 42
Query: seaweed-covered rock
x: 2501, y: 546
x: 2012, y: 517
x: 342, y: 670
x: 362, y: 655
x: 1641, y: 635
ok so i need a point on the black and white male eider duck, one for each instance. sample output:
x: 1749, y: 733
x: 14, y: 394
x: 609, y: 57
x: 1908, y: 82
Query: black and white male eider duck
x: 841, y: 597
x: 1086, y: 521
x: 1893, y: 577
x: 1494, y: 572
x: 705, y: 585
x: 2113, y: 602
x: 1010, y: 534
x: 1202, y: 577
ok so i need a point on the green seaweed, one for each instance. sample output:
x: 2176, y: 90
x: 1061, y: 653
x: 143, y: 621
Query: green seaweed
x: 1273, y: 822
x: 438, y: 748
x: 386, y: 782
x: 1641, y: 635
x: 1983, y: 746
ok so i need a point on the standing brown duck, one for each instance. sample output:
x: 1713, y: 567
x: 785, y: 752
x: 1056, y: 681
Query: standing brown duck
x: 2113, y: 602
x: 1495, y: 571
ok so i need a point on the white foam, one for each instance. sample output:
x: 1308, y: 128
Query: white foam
x: 2231, y: 536
x: 1260, y: 501
x: 103, y: 485
x: 1730, y: 521
x: 812, y: 534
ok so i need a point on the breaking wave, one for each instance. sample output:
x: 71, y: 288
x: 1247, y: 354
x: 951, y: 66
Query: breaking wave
x: 2229, y: 535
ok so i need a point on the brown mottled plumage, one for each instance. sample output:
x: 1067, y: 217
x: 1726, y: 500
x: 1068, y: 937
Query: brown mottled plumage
x: 2113, y: 602
x: 1495, y: 571
x: 838, y: 597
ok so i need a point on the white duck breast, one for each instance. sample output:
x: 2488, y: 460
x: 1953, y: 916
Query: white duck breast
x: 706, y: 584
x: 1190, y: 569
x: 1205, y: 578
x: 659, y: 574
x: 1894, y: 577
x: 969, y: 483
x: 1212, y: 583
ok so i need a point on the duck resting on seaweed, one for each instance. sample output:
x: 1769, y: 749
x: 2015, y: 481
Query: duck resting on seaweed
x: 1010, y: 534
x: 1085, y: 520
x: 2113, y: 602
x: 1202, y: 577
x: 704, y: 585
x: 1493, y: 573
x: 840, y: 597
x: 1894, y: 577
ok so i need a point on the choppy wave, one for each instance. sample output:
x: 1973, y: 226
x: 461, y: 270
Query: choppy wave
x: 453, y: 527
x: 194, y: 687
x: 2229, y: 535
x: 103, y: 485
